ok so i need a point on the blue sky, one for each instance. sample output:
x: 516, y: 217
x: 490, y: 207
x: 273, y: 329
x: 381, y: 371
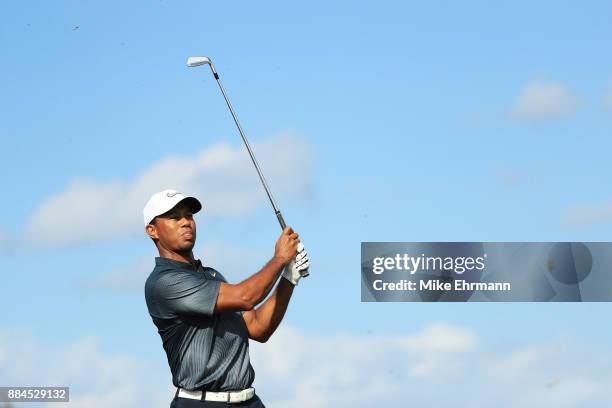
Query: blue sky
x: 377, y: 121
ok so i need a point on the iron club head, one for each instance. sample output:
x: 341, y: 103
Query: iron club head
x: 197, y: 61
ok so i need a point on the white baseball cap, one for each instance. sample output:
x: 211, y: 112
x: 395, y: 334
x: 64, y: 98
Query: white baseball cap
x: 164, y: 201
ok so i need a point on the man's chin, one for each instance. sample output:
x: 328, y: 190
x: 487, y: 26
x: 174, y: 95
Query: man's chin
x: 187, y: 245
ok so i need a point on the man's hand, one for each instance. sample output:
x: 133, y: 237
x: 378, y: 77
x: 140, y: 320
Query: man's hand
x: 294, y: 269
x: 286, y: 246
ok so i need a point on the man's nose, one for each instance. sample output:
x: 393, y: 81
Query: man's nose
x: 186, y: 221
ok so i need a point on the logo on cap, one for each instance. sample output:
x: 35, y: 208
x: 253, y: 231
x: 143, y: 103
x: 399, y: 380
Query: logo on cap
x: 172, y: 194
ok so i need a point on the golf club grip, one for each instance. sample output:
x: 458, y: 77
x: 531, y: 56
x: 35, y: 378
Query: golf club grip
x: 281, y: 220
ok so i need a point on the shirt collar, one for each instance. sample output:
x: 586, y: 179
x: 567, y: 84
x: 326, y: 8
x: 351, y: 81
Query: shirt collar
x: 159, y: 261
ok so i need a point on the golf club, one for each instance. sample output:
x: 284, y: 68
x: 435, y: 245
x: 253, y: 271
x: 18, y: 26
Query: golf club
x: 196, y: 62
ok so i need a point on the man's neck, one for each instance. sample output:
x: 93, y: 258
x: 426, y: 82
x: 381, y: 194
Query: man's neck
x: 177, y: 256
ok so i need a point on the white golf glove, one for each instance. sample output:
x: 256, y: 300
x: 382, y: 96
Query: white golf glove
x: 297, y: 266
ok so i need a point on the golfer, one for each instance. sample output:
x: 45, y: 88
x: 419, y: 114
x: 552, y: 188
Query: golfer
x: 204, y: 322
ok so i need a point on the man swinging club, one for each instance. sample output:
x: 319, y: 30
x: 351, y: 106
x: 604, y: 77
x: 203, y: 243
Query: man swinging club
x: 204, y: 322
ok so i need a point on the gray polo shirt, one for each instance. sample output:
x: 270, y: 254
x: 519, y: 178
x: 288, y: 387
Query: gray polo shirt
x: 206, y: 350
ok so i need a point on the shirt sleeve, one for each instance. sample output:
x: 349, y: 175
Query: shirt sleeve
x: 186, y: 293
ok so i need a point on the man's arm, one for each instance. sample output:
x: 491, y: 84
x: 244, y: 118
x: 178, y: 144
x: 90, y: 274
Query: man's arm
x: 263, y: 321
x: 248, y: 293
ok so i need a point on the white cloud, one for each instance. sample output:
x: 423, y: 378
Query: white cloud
x: 542, y: 101
x: 573, y: 391
x: 300, y: 369
x: 583, y: 215
x: 222, y: 176
x: 552, y: 374
x: 510, y: 366
x: 95, y: 378
x: 434, y: 345
x: 317, y: 371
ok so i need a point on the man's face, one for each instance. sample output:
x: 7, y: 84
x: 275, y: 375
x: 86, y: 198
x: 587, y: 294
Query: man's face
x: 175, y: 230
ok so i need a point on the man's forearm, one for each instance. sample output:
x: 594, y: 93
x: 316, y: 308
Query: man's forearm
x: 255, y: 288
x: 271, y: 312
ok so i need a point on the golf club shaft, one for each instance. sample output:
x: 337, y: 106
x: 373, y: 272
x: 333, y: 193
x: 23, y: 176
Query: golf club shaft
x: 279, y: 216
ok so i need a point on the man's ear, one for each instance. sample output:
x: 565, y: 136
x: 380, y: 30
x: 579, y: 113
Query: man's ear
x: 151, y: 231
